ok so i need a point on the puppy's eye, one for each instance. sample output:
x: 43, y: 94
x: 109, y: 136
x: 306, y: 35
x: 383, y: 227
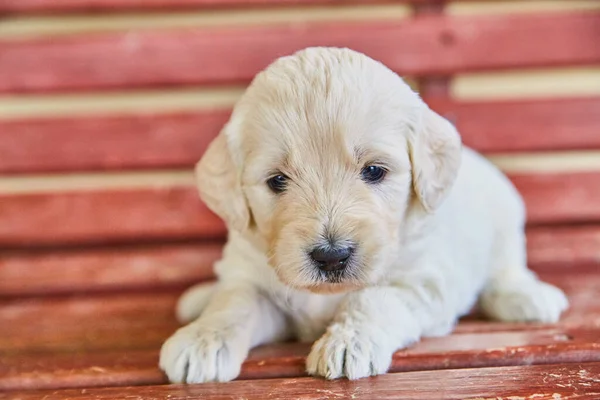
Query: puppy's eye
x: 373, y: 174
x: 277, y: 183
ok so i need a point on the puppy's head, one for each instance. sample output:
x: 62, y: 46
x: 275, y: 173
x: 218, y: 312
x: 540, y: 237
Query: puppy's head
x: 320, y: 162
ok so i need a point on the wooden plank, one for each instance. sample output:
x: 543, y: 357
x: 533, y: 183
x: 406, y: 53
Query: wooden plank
x: 110, y: 142
x: 89, y: 270
x: 106, y: 269
x: 226, y: 55
x: 137, y: 367
x: 554, y: 248
x: 106, y: 216
x: 134, y: 321
x: 109, y: 216
x: 559, y: 198
x: 179, y: 140
x: 29, y: 6
x: 525, y: 125
x: 544, y: 382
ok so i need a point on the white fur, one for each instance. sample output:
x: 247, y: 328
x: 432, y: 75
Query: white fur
x: 457, y: 238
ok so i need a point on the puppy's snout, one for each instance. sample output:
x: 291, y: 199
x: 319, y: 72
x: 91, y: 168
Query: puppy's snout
x: 331, y: 258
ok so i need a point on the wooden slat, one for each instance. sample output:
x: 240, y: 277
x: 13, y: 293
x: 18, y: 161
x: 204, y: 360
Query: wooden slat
x: 551, y: 249
x: 136, y: 367
x: 555, y: 198
x: 547, y: 382
x: 179, y: 140
x: 177, y: 213
x: 133, y: 321
x: 543, y: 124
x: 106, y: 216
x: 114, y: 340
x: 105, y: 269
x: 236, y: 54
x: 28, y: 6
x: 107, y: 142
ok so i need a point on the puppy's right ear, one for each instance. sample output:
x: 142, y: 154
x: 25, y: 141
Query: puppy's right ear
x: 219, y: 184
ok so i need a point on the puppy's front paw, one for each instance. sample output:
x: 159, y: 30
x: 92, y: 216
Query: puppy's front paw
x: 196, y: 355
x: 348, y: 352
x: 532, y: 301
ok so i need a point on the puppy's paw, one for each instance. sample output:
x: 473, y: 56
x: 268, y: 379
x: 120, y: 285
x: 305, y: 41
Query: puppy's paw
x: 531, y: 301
x: 196, y: 355
x: 342, y: 352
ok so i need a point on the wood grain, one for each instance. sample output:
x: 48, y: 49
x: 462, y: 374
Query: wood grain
x: 120, y: 321
x: 106, y: 269
x: 176, y: 213
x: 179, y: 140
x: 525, y: 125
x: 572, y: 249
x: 27, y: 6
x: 544, y: 382
x: 107, y: 142
x: 228, y: 55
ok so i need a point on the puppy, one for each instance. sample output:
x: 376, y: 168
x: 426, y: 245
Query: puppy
x: 355, y: 219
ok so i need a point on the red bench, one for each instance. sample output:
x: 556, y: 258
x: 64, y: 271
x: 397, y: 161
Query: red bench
x: 101, y: 227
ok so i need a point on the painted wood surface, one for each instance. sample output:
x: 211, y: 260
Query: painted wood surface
x: 572, y: 249
x: 114, y: 339
x: 176, y: 213
x: 230, y: 55
x: 179, y: 140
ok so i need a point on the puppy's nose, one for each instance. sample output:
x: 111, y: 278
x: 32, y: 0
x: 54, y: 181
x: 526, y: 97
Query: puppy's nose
x: 331, y: 259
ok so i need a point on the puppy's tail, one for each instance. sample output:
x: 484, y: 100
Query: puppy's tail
x: 193, y: 301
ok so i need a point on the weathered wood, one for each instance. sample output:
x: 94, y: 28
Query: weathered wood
x: 525, y: 125
x: 162, y: 58
x: 27, y: 6
x: 179, y: 140
x: 108, y: 216
x: 143, y: 320
x: 544, y: 382
x: 105, y: 269
x: 137, y: 367
x: 107, y: 142
x: 23, y: 272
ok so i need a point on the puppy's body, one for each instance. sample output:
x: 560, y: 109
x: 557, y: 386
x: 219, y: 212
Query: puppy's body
x: 443, y: 228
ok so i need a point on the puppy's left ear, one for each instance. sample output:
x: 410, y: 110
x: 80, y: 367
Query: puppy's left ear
x: 435, y: 150
x: 219, y: 184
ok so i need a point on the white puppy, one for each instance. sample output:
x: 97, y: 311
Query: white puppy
x: 356, y: 219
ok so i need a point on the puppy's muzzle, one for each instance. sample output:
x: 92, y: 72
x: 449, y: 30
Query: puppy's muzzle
x: 331, y: 258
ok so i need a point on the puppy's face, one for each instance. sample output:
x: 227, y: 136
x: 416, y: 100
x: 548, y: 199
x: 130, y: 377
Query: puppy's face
x: 320, y: 145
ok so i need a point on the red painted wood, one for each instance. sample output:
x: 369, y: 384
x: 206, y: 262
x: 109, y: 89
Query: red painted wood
x: 552, y: 198
x: 525, y: 125
x: 220, y: 55
x: 165, y: 141
x: 110, y: 142
x: 574, y: 249
x: 178, y: 213
x: 106, y: 216
x: 544, y: 382
x: 137, y: 367
x: 551, y: 249
x: 130, y: 321
x: 26, y: 6
x: 105, y: 269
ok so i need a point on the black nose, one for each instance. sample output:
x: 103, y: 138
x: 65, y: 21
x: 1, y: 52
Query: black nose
x: 331, y: 258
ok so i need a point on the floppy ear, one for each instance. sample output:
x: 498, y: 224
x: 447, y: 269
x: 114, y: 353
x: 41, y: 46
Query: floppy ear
x: 436, y: 155
x: 219, y: 184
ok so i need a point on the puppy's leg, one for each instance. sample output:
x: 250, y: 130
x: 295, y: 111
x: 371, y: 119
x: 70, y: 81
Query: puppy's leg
x: 213, y: 347
x: 193, y: 301
x: 370, y: 325
x: 513, y: 292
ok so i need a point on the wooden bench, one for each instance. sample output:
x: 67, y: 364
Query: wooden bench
x: 101, y: 227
